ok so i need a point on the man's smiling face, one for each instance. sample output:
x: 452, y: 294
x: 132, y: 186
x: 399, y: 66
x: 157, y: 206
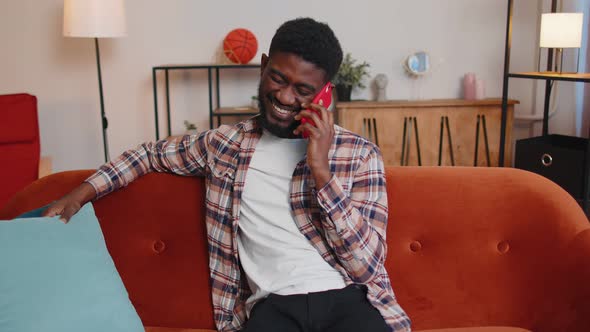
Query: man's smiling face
x: 286, y: 82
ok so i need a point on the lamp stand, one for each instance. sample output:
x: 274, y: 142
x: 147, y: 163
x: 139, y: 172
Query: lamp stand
x: 105, y: 122
x: 560, y: 52
x: 558, y: 68
x: 560, y: 55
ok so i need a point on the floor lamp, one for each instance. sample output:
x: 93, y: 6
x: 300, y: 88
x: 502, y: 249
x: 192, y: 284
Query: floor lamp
x: 95, y: 19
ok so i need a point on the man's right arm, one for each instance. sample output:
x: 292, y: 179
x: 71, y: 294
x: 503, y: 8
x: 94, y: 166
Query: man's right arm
x: 185, y: 155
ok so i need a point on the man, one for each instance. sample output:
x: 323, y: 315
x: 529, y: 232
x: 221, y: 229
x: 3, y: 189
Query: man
x: 296, y: 227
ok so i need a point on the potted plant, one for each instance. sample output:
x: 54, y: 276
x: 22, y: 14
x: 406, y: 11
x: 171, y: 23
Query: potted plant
x: 350, y: 76
x: 254, y: 102
x: 190, y: 127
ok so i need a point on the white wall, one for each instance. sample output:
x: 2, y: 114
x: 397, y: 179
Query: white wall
x: 461, y: 36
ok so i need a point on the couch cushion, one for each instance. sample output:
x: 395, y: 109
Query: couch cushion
x: 482, y: 246
x: 155, y: 231
x: 60, y: 277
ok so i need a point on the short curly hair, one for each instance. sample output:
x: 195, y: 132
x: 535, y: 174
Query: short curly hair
x: 313, y: 41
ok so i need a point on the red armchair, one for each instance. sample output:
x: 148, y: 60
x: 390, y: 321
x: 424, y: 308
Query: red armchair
x: 19, y: 143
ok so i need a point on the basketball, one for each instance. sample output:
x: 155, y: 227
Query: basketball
x: 240, y: 46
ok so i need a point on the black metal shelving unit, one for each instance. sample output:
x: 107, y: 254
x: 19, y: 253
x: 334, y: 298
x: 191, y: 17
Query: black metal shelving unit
x: 215, y: 110
x: 549, y: 78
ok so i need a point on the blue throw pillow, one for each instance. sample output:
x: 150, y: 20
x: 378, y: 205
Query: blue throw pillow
x: 57, y: 277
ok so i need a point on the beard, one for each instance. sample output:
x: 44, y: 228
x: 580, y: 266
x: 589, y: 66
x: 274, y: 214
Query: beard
x: 273, y: 128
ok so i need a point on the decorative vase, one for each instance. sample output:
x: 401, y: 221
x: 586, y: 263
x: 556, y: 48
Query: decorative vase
x: 381, y: 84
x: 343, y: 92
x: 469, y: 86
x: 480, y: 90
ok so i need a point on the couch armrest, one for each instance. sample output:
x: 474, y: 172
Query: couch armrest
x: 577, y: 273
x: 45, y: 166
x: 43, y: 191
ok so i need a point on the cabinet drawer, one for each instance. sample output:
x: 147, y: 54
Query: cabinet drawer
x: 556, y: 157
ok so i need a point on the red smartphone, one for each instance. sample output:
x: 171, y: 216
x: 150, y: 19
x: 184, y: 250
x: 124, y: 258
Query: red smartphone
x: 323, y: 98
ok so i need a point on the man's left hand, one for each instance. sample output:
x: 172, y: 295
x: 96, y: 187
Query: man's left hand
x: 320, y: 140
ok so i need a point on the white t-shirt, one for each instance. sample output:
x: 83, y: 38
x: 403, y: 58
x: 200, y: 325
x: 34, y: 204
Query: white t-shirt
x: 275, y: 255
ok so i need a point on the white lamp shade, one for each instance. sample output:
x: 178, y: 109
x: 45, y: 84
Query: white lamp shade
x: 561, y: 30
x: 94, y: 18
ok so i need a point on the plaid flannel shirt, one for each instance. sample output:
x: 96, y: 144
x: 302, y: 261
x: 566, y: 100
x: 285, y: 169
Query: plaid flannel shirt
x: 345, y: 220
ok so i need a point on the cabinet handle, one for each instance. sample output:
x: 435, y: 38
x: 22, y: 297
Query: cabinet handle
x: 481, y: 120
x: 370, y: 130
x: 410, y: 123
x: 546, y: 160
x: 444, y: 120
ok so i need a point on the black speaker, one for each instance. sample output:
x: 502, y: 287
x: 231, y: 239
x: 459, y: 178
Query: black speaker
x: 562, y: 159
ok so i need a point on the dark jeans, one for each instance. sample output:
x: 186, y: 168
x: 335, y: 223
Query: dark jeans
x: 339, y: 310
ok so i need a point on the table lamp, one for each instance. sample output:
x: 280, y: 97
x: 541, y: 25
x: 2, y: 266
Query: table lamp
x: 561, y: 30
x: 95, y: 19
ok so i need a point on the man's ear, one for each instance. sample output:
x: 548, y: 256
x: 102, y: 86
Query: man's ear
x: 263, y: 63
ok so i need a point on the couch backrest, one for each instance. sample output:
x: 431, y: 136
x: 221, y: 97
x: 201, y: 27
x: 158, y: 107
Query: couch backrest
x: 467, y: 246
x: 19, y: 143
x: 481, y: 246
x: 155, y: 232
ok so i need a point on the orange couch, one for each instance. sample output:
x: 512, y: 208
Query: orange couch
x: 468, y: 247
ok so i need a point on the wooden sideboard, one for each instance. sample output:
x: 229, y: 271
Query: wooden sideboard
x: 417, y: 128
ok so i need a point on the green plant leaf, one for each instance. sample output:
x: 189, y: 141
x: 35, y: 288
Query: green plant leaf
x: 351, y: 73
